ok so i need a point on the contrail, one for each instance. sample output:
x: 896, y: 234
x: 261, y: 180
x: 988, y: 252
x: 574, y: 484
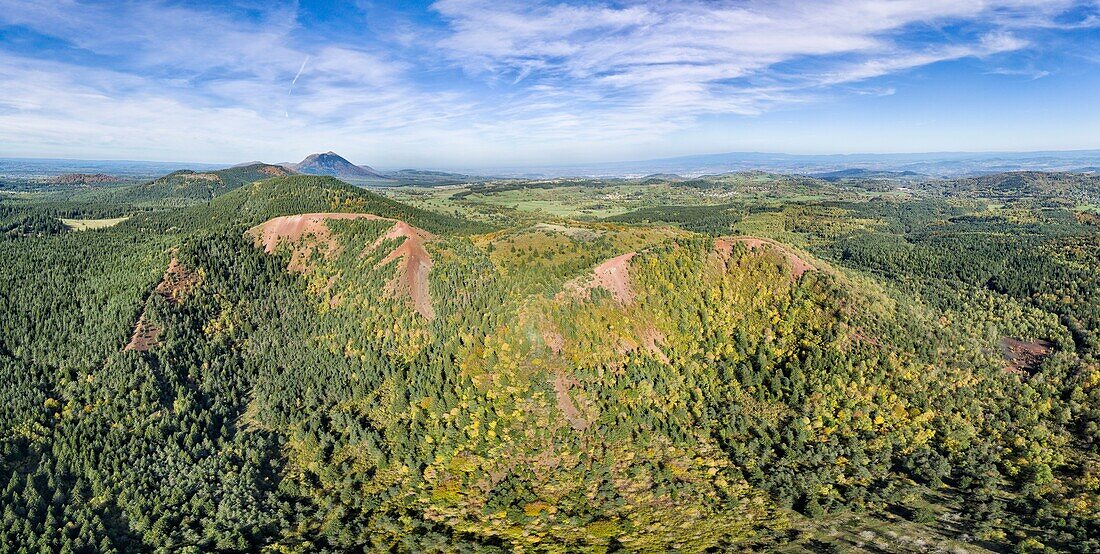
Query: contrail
x: 286, y: 113
x: 299, y: 74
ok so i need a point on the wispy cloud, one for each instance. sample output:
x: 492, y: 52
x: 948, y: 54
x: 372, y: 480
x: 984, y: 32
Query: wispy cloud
x: 675, y: 59
x: 1028, y: 72
x: 184, y: 83
x: 472, y: 78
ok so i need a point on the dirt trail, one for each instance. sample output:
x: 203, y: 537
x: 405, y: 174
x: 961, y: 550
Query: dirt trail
x: 798, y: 265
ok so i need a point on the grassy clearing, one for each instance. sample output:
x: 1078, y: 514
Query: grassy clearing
x: 91, y: 224
x: 591, y: 200
x: 769, y: 225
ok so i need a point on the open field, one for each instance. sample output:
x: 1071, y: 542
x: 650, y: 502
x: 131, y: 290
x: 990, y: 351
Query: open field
x: 91, y: 224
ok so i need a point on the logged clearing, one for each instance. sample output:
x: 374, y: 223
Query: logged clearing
x: 91, y: 224
x: 306, y: 232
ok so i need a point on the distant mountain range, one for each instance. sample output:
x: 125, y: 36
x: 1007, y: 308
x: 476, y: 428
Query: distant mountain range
x: 857, y: 173
x: 913, y: 165
x: 127, y: 170
x: 831, y: 167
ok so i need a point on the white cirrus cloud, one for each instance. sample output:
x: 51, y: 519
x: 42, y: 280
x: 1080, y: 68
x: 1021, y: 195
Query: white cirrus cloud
x: 673, y: 59
x: 484, y: 79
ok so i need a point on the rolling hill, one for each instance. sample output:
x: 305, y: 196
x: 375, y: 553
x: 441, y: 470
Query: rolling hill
x: 1031, y: 184
x: 255, y: 202
x: 187, y: 187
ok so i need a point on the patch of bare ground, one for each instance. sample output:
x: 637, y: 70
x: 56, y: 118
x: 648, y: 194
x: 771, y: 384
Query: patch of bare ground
x: 174, y: 286
x: 204, y: 177
x: 274, y: 171
x: 798, y: 265
x: 307, y: 232
x: 177, y: 281
x: 857, y: 335
x: 612, y: 275
x: 553, y: 339
x: 292, y: 229
x: 649, y: 339
x: 566, y: 403
x: 1022, y: 357
x: 145, y: 335
x: 413, y: 266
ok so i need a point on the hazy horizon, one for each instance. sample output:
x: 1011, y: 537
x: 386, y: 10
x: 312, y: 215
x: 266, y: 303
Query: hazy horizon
x: 931, y: 155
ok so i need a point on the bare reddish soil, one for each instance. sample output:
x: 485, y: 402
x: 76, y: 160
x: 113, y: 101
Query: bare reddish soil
x: 144, y: 337
x: 650, y: 340
x: 798, y: 265
x: 291, y: 229
x: 175, y: 284
x: 274, y: 171
x: 1024, y: 356
x: 413, y: 266
x: 612, y: 275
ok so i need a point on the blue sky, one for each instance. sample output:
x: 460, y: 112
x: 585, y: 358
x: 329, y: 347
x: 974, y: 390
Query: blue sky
x: 472, y: 83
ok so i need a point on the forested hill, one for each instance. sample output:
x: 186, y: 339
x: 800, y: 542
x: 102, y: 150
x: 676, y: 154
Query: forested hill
x: 186, y: 187
x: 258, y: 201
x: 1017, y: 184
